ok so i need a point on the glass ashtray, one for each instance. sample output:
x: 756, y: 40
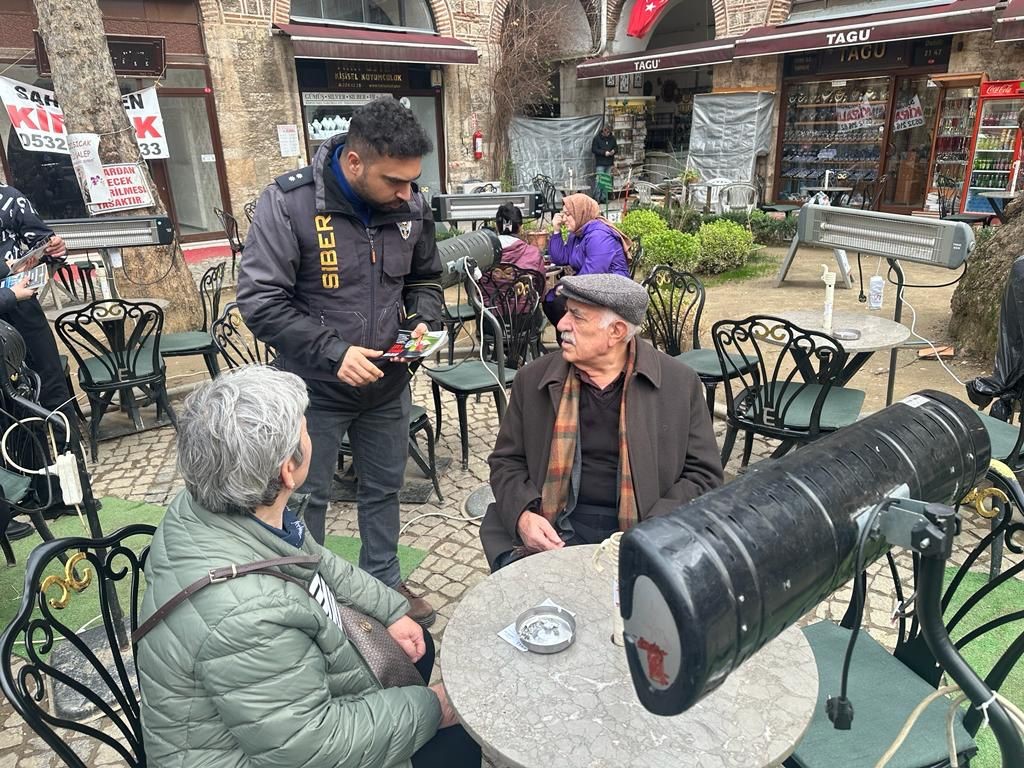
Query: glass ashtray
x: 846, y: 334
x: 546, y: 629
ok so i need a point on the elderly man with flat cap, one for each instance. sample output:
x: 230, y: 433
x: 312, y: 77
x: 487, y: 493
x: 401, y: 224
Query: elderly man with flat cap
x: 600, y: 437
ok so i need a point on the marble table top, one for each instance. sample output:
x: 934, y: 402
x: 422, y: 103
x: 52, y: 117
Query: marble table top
x: 578, y: 707
x: 876, y: 332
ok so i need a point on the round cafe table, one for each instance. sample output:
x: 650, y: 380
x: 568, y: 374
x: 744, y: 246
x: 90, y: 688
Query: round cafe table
x: 578, y: 709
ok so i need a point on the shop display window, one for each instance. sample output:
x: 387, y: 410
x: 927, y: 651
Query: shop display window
x: 835, y: 126
x: 910, y: 142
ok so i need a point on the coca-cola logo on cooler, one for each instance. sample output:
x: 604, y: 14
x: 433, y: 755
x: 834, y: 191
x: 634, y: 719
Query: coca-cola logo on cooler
x: 1003, y: 89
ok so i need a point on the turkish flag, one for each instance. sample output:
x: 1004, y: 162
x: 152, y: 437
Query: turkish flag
x: 645, y: 13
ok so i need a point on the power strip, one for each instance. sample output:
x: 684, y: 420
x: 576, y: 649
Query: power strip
x: 67, y: 474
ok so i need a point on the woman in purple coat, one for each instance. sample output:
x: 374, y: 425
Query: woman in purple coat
x: 594, y: 246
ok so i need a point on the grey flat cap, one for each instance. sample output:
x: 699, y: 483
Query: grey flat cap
x: 619, y: 294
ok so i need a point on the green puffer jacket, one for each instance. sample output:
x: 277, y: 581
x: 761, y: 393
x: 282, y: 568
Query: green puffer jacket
x: 252, y: 672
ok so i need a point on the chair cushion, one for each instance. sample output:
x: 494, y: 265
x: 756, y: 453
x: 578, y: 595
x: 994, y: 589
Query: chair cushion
x: 1002, y: 435
x: 460, y: 311
x: 841, y: 408
x: 100, y: 375
x: 707, y: 365
x: 469, y: 376
x: 15, y: 486
x: 883, y: 692
x: 185, y: 342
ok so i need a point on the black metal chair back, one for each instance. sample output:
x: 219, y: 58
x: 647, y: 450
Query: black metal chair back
x: 71, y: 676
x: 635, y: 257
x: 114, y: 341
x: 792, y: 364
x: 249, y: 209
x: 676, y: 301
x: 548, y: 192
x: 948, y: 191
x: 512, y: 296
x: 210, y: 286
x: 77, y: 280
x: 230, y: 224
x: 237, y: 344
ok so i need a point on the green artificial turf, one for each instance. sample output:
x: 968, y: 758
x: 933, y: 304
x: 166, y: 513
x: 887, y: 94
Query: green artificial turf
x: 983, y: 653
x: 82, y: 610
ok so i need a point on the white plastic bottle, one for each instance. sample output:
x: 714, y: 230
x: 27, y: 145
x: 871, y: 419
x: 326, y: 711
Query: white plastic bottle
x: 876, y: 288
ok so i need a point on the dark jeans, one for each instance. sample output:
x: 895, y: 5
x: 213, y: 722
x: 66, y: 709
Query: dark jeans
x: 554, y: 308
x: 450, y: 747
x: 377, y: 422
x: 41, y: 352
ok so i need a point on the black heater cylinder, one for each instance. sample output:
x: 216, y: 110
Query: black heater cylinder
x: 705, y: 587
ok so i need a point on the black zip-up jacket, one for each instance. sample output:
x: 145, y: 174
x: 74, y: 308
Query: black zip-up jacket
x: 602, y: 144
x: 20, y: 227
x: 314, y: 280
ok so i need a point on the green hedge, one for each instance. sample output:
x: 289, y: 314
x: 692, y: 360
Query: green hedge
x: 724, y: 245
x: 673, y: 247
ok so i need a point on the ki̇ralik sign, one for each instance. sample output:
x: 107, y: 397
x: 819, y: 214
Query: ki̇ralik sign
x: 855, y: 117
x: 127, y: 189
x: 909, y: 115
x: 38, y: 120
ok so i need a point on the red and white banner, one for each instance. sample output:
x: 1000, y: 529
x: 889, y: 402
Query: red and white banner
x: 38, y: 120
x: 126, y: 187
x: 909, y: 115
x: 643, y: 16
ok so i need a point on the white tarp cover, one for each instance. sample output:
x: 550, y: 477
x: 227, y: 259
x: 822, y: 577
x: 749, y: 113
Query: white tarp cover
x: 553, y: 146
x: 730, y: 131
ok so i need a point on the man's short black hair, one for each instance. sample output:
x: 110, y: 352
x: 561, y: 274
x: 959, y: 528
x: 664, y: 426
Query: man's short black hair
x: 385, y: 128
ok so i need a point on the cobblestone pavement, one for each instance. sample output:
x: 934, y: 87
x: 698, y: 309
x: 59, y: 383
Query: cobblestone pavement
x: 141, y: 467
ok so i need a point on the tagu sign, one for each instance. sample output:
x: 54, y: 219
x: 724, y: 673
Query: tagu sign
x: 127, y: 188
x: 38, y: 120
x: 849, y: 36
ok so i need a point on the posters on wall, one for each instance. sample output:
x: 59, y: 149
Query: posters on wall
x: 288, y: 140
x: 85, y: 158
x: 38, y: 120
x: 127, y: 187
x: 909, y: 115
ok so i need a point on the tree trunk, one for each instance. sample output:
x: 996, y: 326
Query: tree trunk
x: 974, y: 323
x: 87, y: 89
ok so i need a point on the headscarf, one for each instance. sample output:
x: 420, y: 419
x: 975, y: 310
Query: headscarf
x: 584, y: 209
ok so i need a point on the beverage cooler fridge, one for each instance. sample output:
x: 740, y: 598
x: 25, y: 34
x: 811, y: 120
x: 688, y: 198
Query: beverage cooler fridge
x: 995, y: 152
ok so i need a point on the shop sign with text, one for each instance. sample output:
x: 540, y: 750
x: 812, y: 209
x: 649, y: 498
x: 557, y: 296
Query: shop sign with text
x: 356, y: 76
x: 38, y: 120
x: 909, y: 115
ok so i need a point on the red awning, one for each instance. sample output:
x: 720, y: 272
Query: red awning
x: 1010, y: 24
x: 950, y: 18
x: 344, y: 43
x: 679, y: 57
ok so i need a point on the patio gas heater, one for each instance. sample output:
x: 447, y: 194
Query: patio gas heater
x: 896, y: 238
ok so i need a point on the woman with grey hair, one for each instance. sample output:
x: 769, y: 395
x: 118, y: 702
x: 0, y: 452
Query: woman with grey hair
x: 257, y: 670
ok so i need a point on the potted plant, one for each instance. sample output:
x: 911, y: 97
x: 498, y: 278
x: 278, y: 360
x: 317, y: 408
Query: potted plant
x: 534, y: 233
x: 688, y: 176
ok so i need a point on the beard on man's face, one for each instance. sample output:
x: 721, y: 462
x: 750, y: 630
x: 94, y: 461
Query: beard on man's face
x: 361, y: 188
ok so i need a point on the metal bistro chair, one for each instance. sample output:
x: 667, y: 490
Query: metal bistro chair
x: 948, y: 190
x: 113, y: 363
x: 492, y: 282
x: 249, y: 209
x: 237, y: 345
x: 188, y: 343
x: 676, y: 303
x: 59, y: 679
x: 790, y: 393
x: 983, y: 617
x: 550, y: 202
x: 511, y: 321
x: 635, y: 257
x: 230, y: 225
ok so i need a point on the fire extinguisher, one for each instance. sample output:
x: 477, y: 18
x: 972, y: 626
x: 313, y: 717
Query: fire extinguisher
x: 478, y: 144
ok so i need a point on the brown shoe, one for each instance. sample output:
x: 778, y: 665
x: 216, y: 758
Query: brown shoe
x: 419, y: 609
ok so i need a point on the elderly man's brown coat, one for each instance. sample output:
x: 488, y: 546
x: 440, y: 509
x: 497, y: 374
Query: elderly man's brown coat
x: 672, y: 448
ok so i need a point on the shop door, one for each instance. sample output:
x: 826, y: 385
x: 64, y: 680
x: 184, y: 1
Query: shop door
x: 910, y: 140
x: 426, y: 111
x: 189, y: 181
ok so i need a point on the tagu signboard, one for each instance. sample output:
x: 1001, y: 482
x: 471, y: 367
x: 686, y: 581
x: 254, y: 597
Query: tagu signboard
x: 127, y: 189
x: 38, y: 120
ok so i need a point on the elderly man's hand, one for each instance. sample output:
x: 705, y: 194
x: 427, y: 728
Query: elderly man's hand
x: 409, y: 636
x: 356, y: 368
x: 55, y: 247
x: 537, y: 533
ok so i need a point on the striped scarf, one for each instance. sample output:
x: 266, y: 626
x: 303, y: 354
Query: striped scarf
x: 555, y: 494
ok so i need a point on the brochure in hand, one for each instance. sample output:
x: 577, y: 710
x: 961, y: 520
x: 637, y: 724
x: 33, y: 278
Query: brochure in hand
x: 29, y: 259
x: 37, y: 277
x: 408, y: 348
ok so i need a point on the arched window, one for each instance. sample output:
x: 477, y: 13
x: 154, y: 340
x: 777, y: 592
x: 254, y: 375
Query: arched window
x: 404, y: 14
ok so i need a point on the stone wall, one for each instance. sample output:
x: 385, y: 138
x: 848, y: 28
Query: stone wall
x: 977, y: 52
x: 254, y: 85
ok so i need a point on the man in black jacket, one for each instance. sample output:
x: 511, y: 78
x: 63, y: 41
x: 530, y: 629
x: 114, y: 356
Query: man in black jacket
x: 604, y: 148
x: 339, y: 257
x: 21, y: 229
